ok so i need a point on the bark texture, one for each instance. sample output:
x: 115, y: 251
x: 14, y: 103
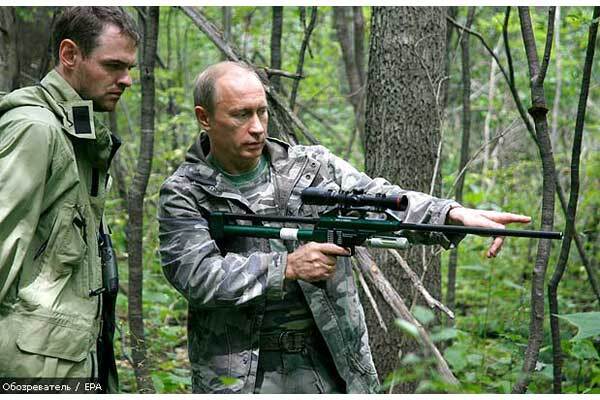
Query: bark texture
x: 538, y: 111
x: 572, y: 207
x: 406, y: 68
x: 9, y: 60
x: 350, y: 31
x: 276, y: 32
x: 464, y: 150
x: 135, y: 229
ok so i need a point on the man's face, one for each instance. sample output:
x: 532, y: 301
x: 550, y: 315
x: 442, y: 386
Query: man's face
x: 237, y: 127
x: 103, y: 75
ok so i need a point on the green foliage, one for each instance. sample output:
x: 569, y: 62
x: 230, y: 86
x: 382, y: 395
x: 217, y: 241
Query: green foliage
x: 407, y: 327
x: 486, y: 344
x: 588, y: 324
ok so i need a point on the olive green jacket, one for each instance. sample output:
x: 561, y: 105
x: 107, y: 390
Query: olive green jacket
x: 54, y: 158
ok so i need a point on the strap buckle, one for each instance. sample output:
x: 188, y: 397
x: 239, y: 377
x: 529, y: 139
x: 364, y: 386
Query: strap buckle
x: 292, y: 342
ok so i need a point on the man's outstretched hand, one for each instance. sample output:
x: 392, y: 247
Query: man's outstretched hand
x: 486, y: 219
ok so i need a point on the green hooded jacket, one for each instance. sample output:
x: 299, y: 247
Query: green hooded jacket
x: 54, y: 157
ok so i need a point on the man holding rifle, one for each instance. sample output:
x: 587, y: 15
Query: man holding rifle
x: 257, y: 323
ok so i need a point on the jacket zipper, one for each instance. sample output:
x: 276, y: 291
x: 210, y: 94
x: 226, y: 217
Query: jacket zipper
x: 41, y: 250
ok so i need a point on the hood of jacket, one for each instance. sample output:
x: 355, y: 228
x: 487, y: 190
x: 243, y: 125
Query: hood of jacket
x: 75, y: 115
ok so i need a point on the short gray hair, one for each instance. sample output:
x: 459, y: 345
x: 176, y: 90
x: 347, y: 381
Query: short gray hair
x: 204, y: 86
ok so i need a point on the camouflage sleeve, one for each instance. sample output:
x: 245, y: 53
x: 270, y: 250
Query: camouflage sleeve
x: 25, y: 153
x: 193, y: 264
x: 422, y: 208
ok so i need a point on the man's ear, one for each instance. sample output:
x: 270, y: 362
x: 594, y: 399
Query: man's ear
x: 203, y: 117
x: 69, y: 54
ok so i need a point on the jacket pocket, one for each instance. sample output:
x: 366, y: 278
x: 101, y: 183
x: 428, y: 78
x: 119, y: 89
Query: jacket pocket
x: 46, y: 337
x: 66, y: 247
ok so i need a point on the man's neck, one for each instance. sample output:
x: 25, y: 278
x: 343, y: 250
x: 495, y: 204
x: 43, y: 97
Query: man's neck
x: 235, y: 167
x: 68, y: 77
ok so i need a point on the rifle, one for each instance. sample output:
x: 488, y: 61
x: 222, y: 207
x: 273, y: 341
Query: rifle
x: 347, y: 224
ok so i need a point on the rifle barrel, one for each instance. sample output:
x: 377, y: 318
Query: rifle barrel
x: 481, y: 231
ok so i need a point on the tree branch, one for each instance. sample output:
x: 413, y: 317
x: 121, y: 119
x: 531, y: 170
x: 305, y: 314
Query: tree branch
x: 212, y: 32
x: 509, y: 79
x: 549, y: 41
x: 572, y: 207
x: 365, y: 286
x: 368, y: 267
x: 538, y: 111
x: 511, y: 69
x: 281, y: 114
x: 278, y: 72
x: 479, y: 150
x: 303, y: 47
x: 418, y: 284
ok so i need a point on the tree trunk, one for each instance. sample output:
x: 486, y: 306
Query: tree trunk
x: 490, y: 151
x: 406, y: 66
x: 226, y: 25
x: 464, y: 151
x: 9, y: 60
x: 572, y: 207
x: 276, y: 31
x: 558, y: 90
x: 136, y: 202
x: 308, y: 29
x: 538, y: 111
x: 349, y: 27
x: 451, y: 12
x: 173, y: 108
x: 116, y: 166
x: 47, y: 61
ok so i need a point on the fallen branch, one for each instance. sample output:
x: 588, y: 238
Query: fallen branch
x: 431, y: 301
x: 365, y: 286
x: 368, y: 267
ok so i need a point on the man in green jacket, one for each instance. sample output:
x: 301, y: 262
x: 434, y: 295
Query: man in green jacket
x: 54, y: 160
x: 256, y: 323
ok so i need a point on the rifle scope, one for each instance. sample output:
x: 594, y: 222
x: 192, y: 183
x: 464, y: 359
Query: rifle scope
x: 324, y: 197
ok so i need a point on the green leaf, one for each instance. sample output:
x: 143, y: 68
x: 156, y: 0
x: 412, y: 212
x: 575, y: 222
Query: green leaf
x: 503, y: 386
x: 155, y: 297
x: 158, y: 379
x: 587, y: 323
x: 411, y: 358
x: 584, y: 350
x: 456, y: 357
x: 228, y: 381
x: 474, y: 359
x: 476, y: 267
x: 513, y: 285
x: 407, y: 327
x: 182, y: 380
x: 444, y: 334
x: 423, y: 315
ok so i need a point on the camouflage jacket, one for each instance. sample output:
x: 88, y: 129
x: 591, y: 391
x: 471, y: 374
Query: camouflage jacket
x: 227, y: 284
x: 54, y: 160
